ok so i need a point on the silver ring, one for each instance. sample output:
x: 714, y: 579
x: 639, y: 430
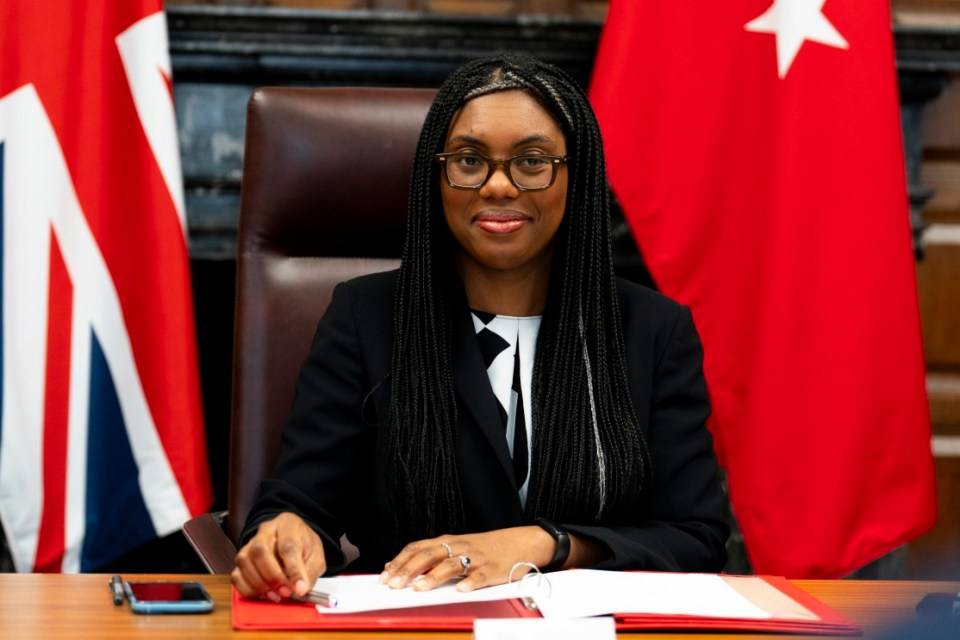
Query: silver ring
x: 447, y: 547
x: 465, y: 563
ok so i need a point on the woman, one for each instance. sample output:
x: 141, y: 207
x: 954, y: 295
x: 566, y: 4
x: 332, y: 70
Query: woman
x: 502, y: 398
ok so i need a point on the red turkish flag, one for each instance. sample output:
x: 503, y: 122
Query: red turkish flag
x: 755, y: 147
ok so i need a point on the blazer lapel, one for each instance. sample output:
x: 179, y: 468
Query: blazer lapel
x: 473, y: 387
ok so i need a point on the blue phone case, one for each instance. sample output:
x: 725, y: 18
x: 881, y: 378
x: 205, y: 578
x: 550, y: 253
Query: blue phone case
x: 170, y: 606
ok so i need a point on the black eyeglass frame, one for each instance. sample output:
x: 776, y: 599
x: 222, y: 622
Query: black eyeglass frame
x: 502, y: 163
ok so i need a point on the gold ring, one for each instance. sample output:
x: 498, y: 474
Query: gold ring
x: 447, y: 547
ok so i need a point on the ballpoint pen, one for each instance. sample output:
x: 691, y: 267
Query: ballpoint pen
x: 318, y: 597
x: 116, y: 588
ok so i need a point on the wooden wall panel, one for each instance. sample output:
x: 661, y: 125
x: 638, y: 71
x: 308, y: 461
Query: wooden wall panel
x: 938, y: 280
x: 937, y: 554
x: 941, y: 119
x: 943, y: 390
x: 940, y: 172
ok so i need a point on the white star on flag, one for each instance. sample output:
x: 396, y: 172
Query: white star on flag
x: 793, y: 22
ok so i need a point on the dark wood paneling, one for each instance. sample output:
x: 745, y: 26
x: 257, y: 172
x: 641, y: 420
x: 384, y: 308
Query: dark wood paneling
x: 936, y: 555
x: 943, y: 390
x: 938, y: 279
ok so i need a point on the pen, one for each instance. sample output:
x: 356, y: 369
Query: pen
x: 318, y: 597
x: 116, y: 588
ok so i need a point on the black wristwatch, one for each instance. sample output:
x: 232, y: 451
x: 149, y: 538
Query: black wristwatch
x: 563, y: 544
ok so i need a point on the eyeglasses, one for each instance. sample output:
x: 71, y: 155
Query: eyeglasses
x: 530, y: 172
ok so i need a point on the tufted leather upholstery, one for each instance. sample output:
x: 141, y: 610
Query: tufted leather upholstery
x: 324, y: 199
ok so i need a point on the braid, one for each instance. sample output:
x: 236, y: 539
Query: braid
x: 589, y: 455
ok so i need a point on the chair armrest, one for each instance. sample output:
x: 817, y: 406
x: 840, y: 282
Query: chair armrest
x: 205, y: 534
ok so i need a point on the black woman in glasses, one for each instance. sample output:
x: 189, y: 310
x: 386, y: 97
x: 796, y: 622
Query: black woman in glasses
x: 502, y: 398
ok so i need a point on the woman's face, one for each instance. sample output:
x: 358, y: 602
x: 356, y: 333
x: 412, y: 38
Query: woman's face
x: 499, y: 227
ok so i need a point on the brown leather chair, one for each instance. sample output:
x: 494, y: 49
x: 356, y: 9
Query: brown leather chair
x: 324, y: 199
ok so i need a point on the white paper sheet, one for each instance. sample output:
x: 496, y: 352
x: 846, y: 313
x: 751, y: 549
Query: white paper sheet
x: 570, y: 594
x: 586, y: 592
x: 365, y: 593
x: 540, y: 629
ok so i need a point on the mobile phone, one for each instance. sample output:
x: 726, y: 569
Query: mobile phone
x: 168, y: 597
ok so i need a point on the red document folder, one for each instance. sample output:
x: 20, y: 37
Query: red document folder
x: 777, y: 596
x: 826, y: 620
x: 261, y: 614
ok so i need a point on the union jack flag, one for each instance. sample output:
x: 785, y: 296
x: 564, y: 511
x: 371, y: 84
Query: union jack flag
x: 101, y: 433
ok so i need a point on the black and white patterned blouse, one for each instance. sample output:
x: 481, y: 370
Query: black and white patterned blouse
x: 508, y: 345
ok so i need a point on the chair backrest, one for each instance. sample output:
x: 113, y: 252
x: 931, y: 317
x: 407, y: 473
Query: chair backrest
x: 324, y: 198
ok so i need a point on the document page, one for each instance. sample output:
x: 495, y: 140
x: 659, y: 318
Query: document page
x: 541, y: 629
x: 576, y: 593
x: 365, y: 593
x: 586, y: 592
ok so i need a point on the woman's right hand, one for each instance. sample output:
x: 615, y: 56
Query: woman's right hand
x: 284, y: 558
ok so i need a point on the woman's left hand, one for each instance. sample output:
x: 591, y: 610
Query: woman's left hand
x: 425, y: 564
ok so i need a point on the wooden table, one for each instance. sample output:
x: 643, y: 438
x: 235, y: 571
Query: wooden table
x: 79, y: 607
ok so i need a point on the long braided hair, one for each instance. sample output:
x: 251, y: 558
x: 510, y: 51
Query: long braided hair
x: 590, y: 460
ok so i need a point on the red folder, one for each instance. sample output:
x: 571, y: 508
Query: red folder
x: 827, y: 621
x: 261, y: 615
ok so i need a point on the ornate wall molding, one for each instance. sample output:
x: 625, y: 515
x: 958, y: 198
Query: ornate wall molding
x: 289, y: 46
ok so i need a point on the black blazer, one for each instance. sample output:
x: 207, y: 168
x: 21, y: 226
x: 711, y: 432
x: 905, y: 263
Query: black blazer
x: 329, y: 472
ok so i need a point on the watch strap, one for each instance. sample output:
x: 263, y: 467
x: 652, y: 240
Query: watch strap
x: 562, y: 538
